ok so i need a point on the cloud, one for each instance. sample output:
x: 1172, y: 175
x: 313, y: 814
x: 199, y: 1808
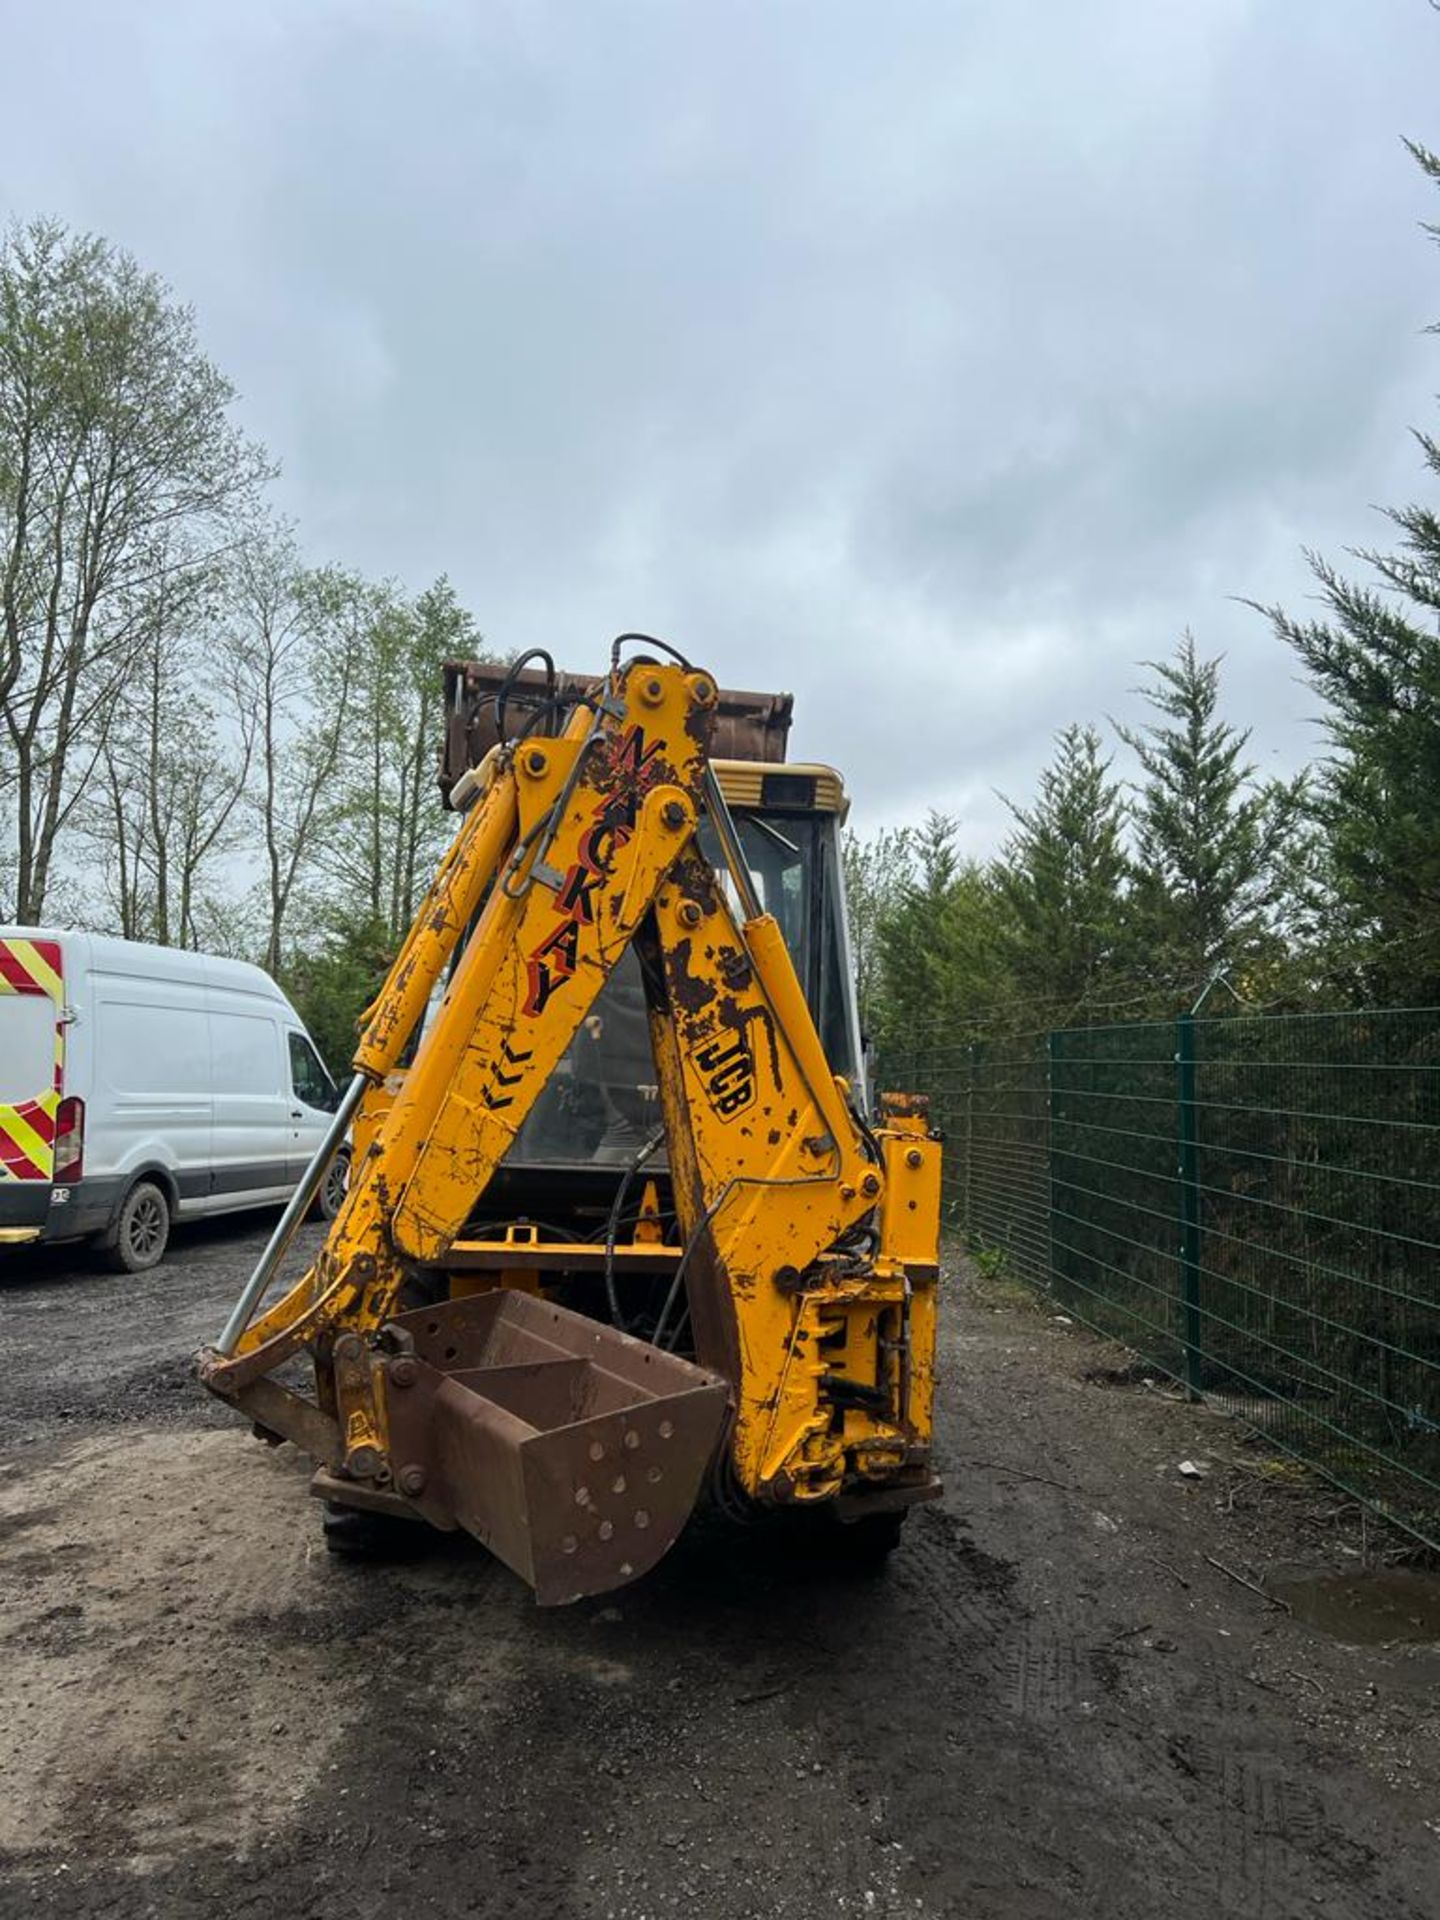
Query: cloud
x: 937, y: 362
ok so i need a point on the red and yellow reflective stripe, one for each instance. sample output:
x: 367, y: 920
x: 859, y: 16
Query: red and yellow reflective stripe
x: 27, y: 1130
x: 27, y: 1138
x: 32, y: 966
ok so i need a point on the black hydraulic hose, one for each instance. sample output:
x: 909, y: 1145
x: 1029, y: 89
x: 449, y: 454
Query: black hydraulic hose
x: 690, y: 1245
x: 513, y: 672
x: 863, y: 1128
x: 645, y: 640
x: 612, y: 1227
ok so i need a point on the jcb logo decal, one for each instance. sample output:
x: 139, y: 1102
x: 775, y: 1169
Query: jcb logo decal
x: 729, y: 1073
x: 550, y: 964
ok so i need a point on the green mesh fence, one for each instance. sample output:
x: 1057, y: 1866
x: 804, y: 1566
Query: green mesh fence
x: 1251, y: 1203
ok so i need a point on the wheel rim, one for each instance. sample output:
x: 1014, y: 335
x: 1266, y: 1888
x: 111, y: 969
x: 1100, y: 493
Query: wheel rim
x: 147, y: 1225
x: 336, y: 1181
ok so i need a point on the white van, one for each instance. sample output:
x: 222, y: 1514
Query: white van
x: 140, y: 1085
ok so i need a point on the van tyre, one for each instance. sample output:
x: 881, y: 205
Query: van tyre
x: 141, y: 1232
x: 331, y: 1196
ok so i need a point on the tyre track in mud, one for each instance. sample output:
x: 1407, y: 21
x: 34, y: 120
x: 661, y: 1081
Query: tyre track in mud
x: 1018, y: 1720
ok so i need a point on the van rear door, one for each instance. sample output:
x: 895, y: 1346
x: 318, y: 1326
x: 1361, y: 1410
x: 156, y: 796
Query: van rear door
x: 32, y: 1057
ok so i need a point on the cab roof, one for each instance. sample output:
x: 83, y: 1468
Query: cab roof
x: 755, y: 786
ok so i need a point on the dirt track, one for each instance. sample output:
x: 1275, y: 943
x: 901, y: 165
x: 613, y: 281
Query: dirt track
x: 1051, y: 1704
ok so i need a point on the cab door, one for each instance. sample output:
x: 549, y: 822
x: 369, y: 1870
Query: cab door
x: 313, y: 1099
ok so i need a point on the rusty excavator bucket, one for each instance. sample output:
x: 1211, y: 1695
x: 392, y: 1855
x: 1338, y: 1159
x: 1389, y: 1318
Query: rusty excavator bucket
x: 571, y: 1451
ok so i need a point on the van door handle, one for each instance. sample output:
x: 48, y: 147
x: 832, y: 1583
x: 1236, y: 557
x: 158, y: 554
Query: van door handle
x: 296, y: 1114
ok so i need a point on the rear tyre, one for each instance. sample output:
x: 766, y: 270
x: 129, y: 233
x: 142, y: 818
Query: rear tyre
x: 817, y: 1537
x: 141, y: 1232
x: 331, y: 1196
x: 351, y: 1534
x: 868, y: 1542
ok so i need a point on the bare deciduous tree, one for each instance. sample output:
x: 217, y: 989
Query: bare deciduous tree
x: 171, y: 772
x: 295, y: 639
x: 386, y: 828
x: 117, y: 459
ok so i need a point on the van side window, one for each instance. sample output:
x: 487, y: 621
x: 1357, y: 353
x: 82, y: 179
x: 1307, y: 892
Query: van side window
x: 311, y: 1082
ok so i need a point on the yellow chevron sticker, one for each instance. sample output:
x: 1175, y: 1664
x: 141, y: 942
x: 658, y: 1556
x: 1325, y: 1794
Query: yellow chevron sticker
x: 39, y: 970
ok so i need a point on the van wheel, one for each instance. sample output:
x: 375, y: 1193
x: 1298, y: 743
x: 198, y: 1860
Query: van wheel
x: 141, y: 1232
x: 331, y: 1196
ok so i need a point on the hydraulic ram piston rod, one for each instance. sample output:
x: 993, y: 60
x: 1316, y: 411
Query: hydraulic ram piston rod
x: 300, y: 1203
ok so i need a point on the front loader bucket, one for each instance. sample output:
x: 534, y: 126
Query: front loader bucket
x: 573, y: 1452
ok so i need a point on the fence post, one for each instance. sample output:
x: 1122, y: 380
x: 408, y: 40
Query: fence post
x: 1050, y: 1116
x: 969, y: 1131
x: 1187, y: 1140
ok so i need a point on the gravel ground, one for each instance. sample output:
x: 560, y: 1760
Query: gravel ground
x: 1052, y: 1703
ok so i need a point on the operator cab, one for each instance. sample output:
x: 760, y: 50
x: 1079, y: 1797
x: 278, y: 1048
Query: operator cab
x: 602, y: 1105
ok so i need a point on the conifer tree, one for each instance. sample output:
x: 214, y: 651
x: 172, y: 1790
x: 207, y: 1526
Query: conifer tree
x: 1212, y: 844
x: 1375, y: 659
x: 939, y: 946
x: 1061, y: 878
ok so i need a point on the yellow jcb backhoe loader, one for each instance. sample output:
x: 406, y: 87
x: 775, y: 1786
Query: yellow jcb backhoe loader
x: 733, y: 1296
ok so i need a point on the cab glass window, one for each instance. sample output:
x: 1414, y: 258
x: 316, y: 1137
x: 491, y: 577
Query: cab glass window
x: 311, y: 1082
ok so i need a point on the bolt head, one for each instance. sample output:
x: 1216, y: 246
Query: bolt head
x: 412, y: 1480
x: 673, y: 815
x: 689, y: 913
x: 870, y: 1185
x: 403, y: 1373
x: 914, y: 1158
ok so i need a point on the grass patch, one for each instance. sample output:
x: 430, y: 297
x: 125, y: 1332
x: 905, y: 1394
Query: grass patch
x: 991, y: 1281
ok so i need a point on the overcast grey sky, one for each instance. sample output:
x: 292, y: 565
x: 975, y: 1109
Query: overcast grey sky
x: 935, y: 361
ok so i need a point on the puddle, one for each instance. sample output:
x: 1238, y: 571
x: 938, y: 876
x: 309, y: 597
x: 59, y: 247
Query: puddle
x: 1366, y: 1609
